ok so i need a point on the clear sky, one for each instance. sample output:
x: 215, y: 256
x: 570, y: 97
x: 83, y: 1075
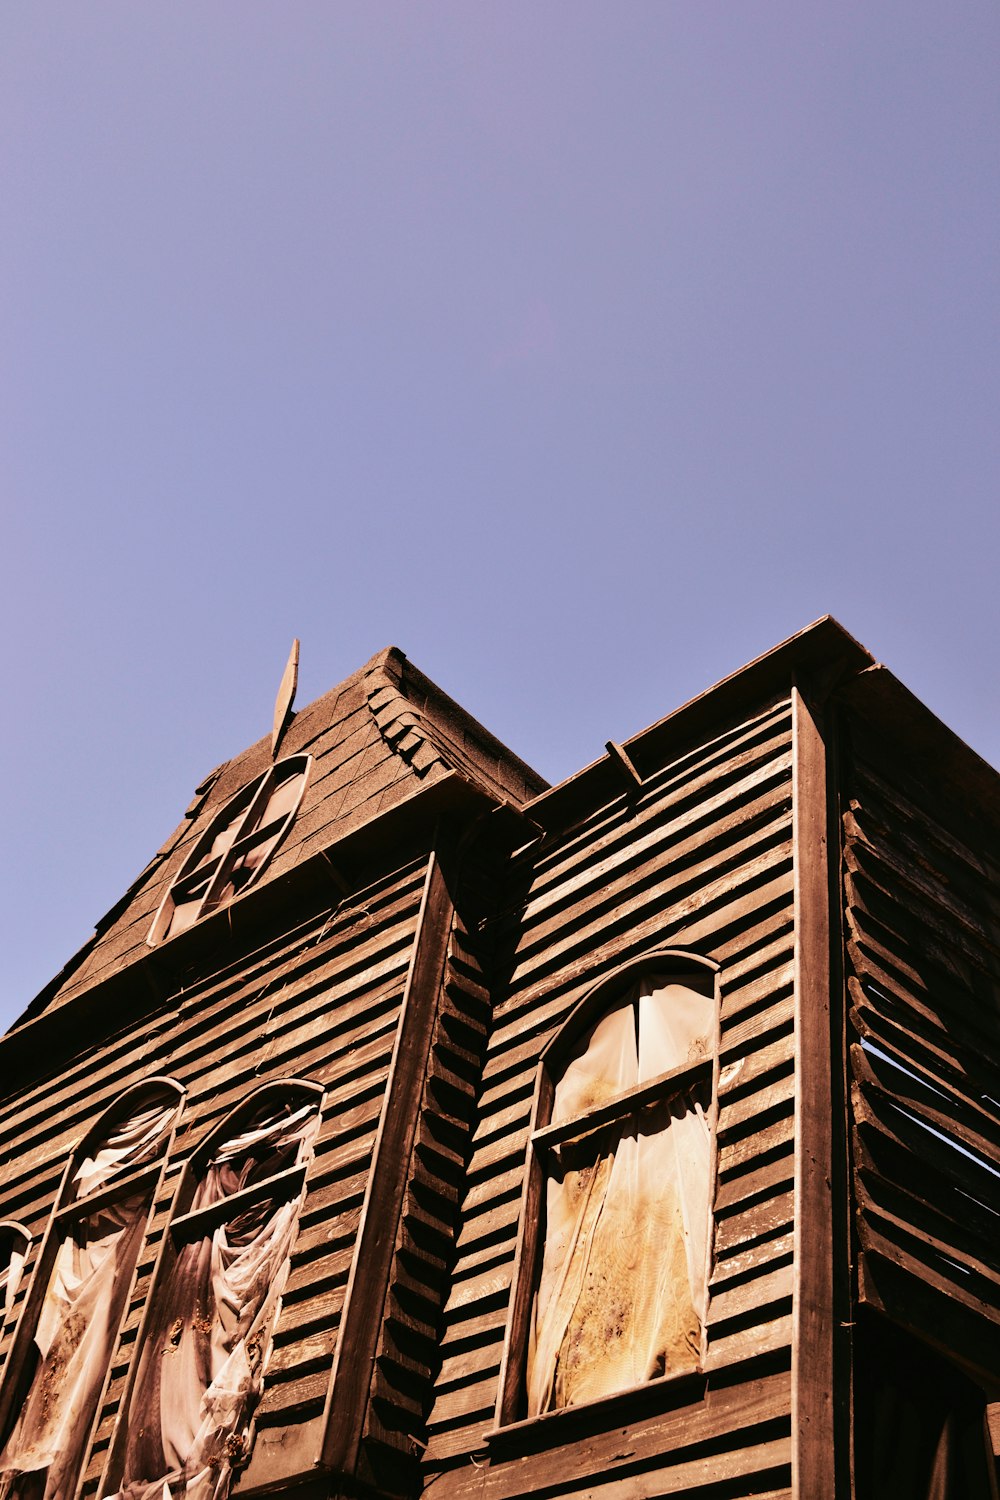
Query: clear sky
x: 584, y: 351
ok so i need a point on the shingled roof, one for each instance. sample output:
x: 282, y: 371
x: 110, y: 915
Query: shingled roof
x: 376, y: 739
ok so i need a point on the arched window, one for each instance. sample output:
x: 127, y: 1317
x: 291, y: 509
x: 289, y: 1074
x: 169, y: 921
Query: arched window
x: 203, y: 1348
x: 234, y: 849
x: 15, y: 1242
x: 66, y: 1339
x: 611, y: 1281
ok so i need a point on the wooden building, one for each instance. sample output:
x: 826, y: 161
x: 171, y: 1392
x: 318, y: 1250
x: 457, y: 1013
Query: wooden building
x: 412, y: 1127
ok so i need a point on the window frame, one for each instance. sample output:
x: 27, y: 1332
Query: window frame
x: 68, y: 1208
x: 185, y: 1225
x: 12, y: 1229
x: 677, y: 966
x: 241, y: 809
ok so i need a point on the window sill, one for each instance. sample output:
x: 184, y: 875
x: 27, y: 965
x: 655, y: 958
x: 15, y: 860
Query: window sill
x: 636, y: 1402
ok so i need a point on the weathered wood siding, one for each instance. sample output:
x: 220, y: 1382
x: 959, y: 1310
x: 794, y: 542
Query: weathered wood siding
x: 921, y: 885
x: 321, y: 1003
x: 699, y: 858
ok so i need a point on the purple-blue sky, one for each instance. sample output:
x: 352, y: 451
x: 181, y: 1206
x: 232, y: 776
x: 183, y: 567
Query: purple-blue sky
x: 583, y: 351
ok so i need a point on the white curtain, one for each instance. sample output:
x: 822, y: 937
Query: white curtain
x: 81, y: 1311
x: 621, y: 1296
x: 201, y: 1368
x: 134, y: 1140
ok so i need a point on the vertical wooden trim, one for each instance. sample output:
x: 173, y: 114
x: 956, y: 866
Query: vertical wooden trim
x: 526, y: 1259
x: 364, y: 1302
x: 813, y: 1313
x: 713, y: 1171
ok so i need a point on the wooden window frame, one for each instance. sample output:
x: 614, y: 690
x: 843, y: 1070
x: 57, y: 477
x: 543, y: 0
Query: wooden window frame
x: 13, y: 1231
x: 244, y: 808
x: 186, y: 1224
x: 677, y: 966
x: 70, y: 1207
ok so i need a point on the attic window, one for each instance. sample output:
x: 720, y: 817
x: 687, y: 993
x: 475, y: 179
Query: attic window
x: 234, y: 849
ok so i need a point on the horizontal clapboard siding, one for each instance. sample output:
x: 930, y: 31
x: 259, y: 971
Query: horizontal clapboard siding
x: 922, y: 904
x: 733, y: 1441
x: 322, y: 1003
x: 700, y: 858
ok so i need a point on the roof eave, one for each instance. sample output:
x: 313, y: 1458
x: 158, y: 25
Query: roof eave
x: 824, y: 646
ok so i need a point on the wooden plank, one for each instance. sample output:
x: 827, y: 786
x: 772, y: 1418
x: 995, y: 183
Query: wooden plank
x: 751, y: 1293
x: 927, y: 1149
x: 759, y: 1255
x: 889, y: 1208
x: 599, y: 1450
x: 281, y: 1401
x: 746, y: 1074
x: 912, y: 1256
x: 470, y: 1363
x: 773, y: 948
x: 741, y: 1114
x: 816, y: 1451
x: 478, y: 1232
x: 929, y: 1002
x: 877, y: 1156
x: 474, y: 1327
x: 752, y: 1339
x: 947, y: 1112
x: 885, y: 1015
x: 761, y: 1029
x: 966, y: 895
x: 771, y: 1140
x: 773, y: 978
x: 757, y: 1182
x: 930, y: 1311
x: 766, y: 1217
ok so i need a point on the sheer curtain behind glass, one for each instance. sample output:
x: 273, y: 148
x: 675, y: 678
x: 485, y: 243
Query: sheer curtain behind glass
x: 622, y: 1289
x: 202, y: 1362
x: 83, y: 1304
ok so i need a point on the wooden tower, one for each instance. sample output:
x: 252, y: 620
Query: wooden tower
x: 410, y: 1126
